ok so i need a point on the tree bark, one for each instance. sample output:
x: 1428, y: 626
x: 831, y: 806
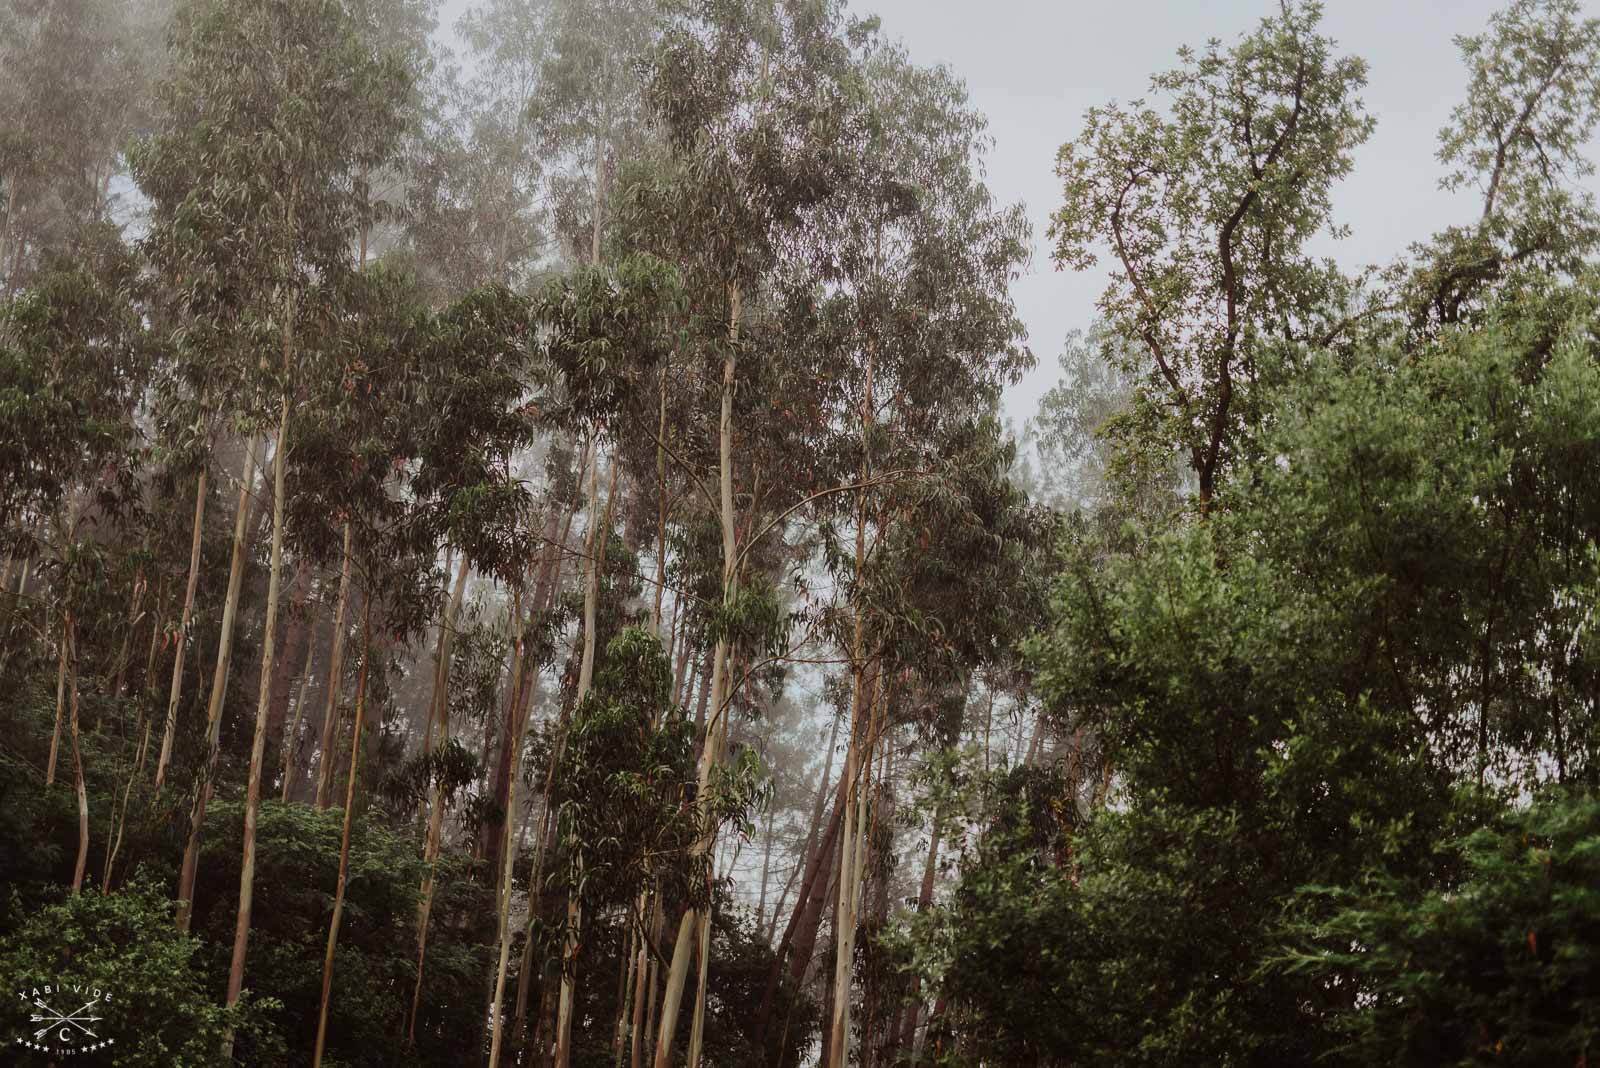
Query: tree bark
x: 699, y: 917
x: 61, y: 706
x: 438, y: 708
x: 852, y: 866
x: 644, y: 980
x: 291, y: 741
x: 77, y: 757
x: 291, y: 663
x: 599, y: 528
x: 858, y: 758
x: 175, y: 695
x: 492, y: 831
x: 330, y: 711
x: 219, y: 688
x: 507, y: 852
x: 344, y: 841
x: 252, y: 804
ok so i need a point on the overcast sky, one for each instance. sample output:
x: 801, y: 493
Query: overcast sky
x: 1034, y: 66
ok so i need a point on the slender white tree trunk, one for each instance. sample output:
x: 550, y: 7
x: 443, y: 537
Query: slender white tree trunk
x: 175, y: 695
x: 330, y: 710
x: 252, y: 805
x: 508, y: 847
x: 599, y: 529
x: 77, y: 758
x: 438, y: 707
x: 219, y: 689
x: 678, y: 973
x: 344, y: 841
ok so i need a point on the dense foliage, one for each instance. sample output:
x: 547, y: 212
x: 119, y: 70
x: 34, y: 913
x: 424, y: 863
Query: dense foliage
x: 518, y: 558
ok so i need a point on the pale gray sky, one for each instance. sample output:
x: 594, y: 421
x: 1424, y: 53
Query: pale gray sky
x: 1034, y: 66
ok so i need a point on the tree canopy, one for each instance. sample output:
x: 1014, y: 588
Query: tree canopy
x: 519, y: 555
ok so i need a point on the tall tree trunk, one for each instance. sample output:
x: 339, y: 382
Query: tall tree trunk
x: 252, y: 803
x: 625, y: 984
x: 330, y: 710
x: 344, y: 841
x: 121, y: 820
x: 196, y: 529
x: 804, y: 922
x: 438, y: 710
x: 661, y: 499
x: 120, y: 817
x: 599, y: 534
x: 492, y: 828
x: 672, y: 996
x: 219, y: 689
x: 681, y: 670
x: 536, y: 877
x: 766, y: 869
x: 706, y: 677
x: 817, y: 808
x: 507, y: 851
x: 291, y: 742
x: 291, y: 663
x: 77, y: 756
x: 844, y: 917
x: 652, y: 1000
x: 856, y: 779
x: 65, y: 529
x: 858, y: 758
x: 814, y: 892
x: 125, y: 654
x: 692, y: 920
x: 62, y: 656
x: 644, y: 977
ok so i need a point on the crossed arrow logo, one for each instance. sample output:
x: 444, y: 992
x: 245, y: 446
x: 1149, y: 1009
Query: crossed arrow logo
x: 52, y: 1019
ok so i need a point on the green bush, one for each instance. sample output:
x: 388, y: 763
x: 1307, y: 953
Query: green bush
x: 157, y: 1011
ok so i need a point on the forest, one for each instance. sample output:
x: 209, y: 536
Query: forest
x: 537, y: 508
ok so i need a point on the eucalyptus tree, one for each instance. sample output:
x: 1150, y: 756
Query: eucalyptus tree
x: 481, y: 400
x: 356, y: 440
x: 364, y: 430
x: 1206, y: 206
x: 604, y: 337
x: 268, y: 113
x: 403, y: 32
x: 914, y: 334
x: 758, y: 105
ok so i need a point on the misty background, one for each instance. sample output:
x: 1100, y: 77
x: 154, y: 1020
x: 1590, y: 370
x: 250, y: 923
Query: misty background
x: 1034, y: 67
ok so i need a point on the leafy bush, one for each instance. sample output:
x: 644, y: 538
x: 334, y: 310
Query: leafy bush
x: 158, y: 1011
